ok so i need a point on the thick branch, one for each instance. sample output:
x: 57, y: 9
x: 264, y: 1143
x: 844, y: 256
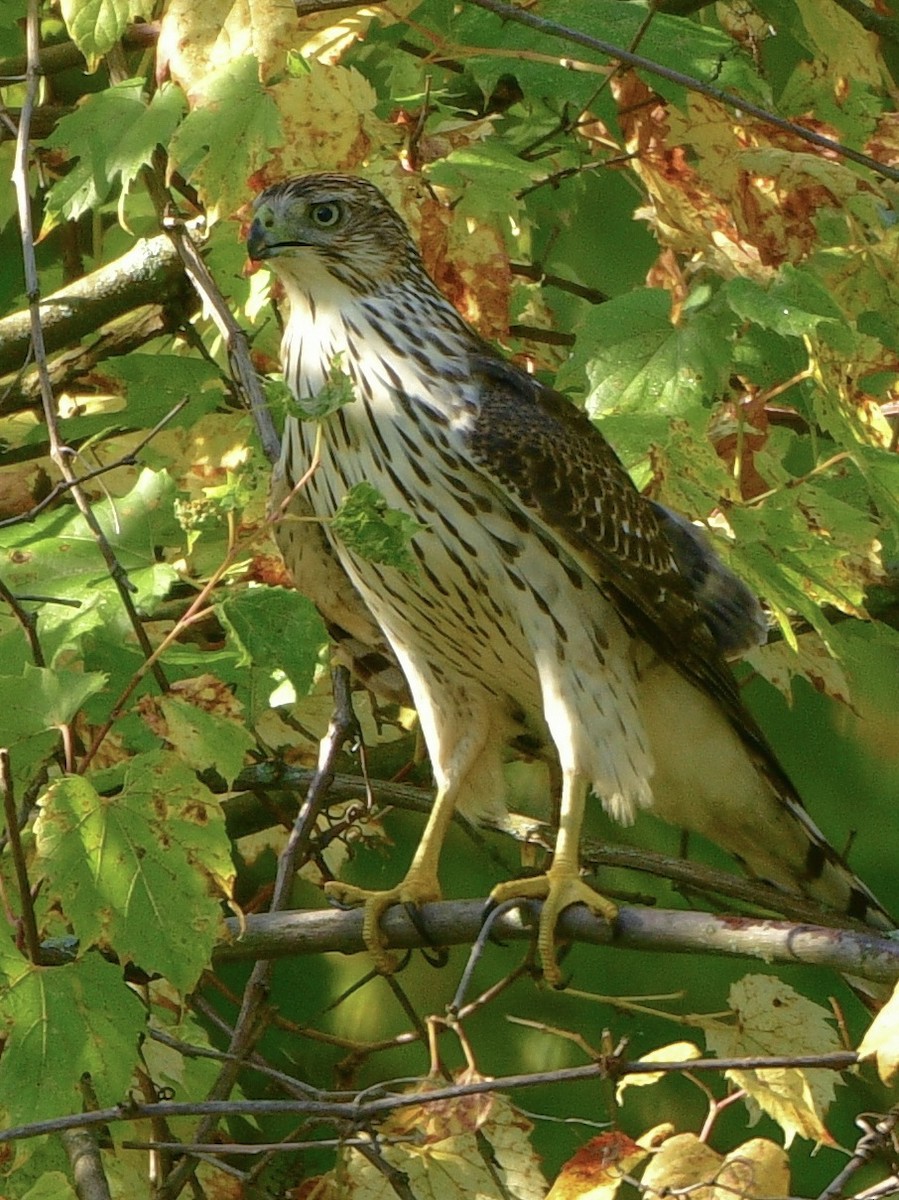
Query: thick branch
x: 150, y: 273
x: 65, y: 55
x: 456, y: 923
x: 246, y: 815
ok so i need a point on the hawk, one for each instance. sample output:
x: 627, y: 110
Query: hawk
x: 553, y: 605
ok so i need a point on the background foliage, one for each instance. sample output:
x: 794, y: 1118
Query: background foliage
x: 718, y: 291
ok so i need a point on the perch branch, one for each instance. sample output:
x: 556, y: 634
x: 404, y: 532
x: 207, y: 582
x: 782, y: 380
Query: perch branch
x: 275, y: 935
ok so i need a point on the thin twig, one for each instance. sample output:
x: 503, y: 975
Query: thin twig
x: 521, y: 16
x: 359, y: 1114
x: 27, y: 620
x: 243, y: 372
x: 29, y: 923
x: 253, y: 1018
x: 65, y: 485
x: 874, y: 1140
x: 58, y: 452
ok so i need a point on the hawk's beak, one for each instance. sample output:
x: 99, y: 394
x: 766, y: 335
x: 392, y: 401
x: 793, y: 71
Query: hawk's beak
x: 257, y: 241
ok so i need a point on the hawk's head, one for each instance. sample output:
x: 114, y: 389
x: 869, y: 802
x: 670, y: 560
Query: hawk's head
x: 332, y: 223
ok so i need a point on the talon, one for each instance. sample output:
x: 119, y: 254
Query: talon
x: 557, y: 891
x: 413, y: 891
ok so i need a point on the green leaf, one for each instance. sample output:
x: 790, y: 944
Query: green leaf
x: 44, y: 699
x: 134, y: 871
x: 57, y: 557
x: 278, y: 629
x: 699, y: 50
x: 795, y: 303
x: 96, y: 25
x: 60, y: 1022
x: 336, y: 392
x: 370, y: 528
x: 486, y: 176
x: 153, y: 126
x: 91, y: 136
x: 203, y: 739
x: 228, y: 136
x: 636, y: 360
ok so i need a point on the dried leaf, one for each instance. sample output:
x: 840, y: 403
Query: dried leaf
x: 596, y: 1170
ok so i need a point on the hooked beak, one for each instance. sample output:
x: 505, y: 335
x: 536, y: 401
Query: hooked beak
x: 257, y: 242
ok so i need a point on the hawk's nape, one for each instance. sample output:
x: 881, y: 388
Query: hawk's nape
x: 552, y: 605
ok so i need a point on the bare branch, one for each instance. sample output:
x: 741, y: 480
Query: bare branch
x: 458, y: 922
x: 150, y: 273
x: 65, y: 55
x: 119, y: 337
x: 87, y: 1164
x: 243, y: 371
x: 358, y: 1113
x: 874, y: 1140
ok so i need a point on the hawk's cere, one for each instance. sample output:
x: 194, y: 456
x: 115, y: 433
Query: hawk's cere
x: 553, y: 605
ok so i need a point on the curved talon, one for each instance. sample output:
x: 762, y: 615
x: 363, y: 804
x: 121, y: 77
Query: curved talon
x: 433, y: 954
x: 558, y: 891
x: 413, y: 890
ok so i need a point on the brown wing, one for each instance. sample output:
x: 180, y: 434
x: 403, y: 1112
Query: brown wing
x: 546, y: 454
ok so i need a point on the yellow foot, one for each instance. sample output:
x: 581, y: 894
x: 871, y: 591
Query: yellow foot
x: 557, y: 891
x: 414, y: 889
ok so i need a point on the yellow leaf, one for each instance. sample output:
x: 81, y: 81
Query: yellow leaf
x: 328, y: 122
x: 437, y: 1149
x: 757, y: 1168
x: 780, y: 663
x: 675, y: 1052
x: 683, y: 1165
x: 772, y: 1018
x: 785, y: 1095
x: 881, y: 1042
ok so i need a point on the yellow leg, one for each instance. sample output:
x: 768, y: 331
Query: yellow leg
x: 562, y: 884
x: 420, y: 886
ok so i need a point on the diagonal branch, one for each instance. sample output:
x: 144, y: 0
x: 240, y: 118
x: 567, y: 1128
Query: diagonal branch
x: 521, y: 16
x: 149, y: 273
x: 60, y: 453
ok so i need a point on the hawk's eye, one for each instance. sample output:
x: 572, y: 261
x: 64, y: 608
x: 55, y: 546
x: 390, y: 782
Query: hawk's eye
x: 326, y: 215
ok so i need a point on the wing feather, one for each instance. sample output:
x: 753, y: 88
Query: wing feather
x: 547, y: 455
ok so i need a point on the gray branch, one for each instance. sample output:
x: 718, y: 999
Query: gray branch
x: 150, y: 273
x: 453, y: 923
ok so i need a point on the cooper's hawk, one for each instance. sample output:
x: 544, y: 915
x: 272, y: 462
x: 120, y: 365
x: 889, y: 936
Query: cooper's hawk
x: 551, y: 603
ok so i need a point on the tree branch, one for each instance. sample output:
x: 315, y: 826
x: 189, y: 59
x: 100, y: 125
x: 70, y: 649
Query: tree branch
x: 150, y: 273
x: 885, y: 27
x: 521, y: 16
x: 453, y: 923
x: 346, y: 1108
x: 246, y: 815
